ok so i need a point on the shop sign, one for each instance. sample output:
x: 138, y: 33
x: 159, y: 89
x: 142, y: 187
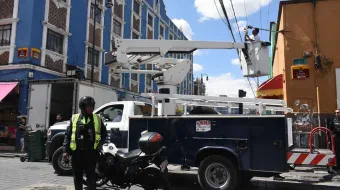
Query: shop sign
x: 35, y: 53
x: 22, y: 52
x: 300, y: 72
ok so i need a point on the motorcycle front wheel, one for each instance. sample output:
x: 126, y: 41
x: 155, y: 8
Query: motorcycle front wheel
x: 154, y: 179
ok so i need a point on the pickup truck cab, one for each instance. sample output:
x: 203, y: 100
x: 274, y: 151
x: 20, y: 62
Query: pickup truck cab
x: 115, y: 115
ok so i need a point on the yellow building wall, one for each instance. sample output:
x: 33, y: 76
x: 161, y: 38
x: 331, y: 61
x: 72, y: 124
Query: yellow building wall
x: 300, y: 35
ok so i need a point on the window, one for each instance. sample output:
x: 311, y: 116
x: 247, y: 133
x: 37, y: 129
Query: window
x: 112, y: 113
x: 117, y: 27
x: 171, y: 37
x: 161, y: 31
x: 55, y: 41
x: 134, y: 76
x: 118, y: 9
x: 144, y: 110
x: 150, y: 20
x: 135, y: 36
x: 148, y: 76
x: 136, y: 7
x: 136, y: 16
x: 5, y: 35
x: 94, y: 53
x: 150, y: 27
x: 98, y: 14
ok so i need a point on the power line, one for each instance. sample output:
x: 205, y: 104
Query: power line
x: 238, y: 28
x: 268, y: 12
x: 245, y: 10
x: 232, y: 34
x: 219, y: 13
x: 260, y: 15
x: 227, y: 18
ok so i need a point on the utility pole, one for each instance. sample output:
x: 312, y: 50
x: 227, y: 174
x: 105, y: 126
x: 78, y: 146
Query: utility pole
x: 241, y: 94
x: 93, y: 39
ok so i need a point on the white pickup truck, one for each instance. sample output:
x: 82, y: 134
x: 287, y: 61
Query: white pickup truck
x: 115, y: 114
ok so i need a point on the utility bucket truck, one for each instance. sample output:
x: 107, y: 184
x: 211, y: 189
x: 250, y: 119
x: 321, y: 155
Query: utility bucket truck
x: 228, y: 150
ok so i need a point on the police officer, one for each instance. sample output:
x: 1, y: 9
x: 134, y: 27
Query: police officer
x: 335, y: 127
x: 83, y: 137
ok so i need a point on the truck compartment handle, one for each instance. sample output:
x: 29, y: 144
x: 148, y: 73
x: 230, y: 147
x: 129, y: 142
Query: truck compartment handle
x: 278, y: 144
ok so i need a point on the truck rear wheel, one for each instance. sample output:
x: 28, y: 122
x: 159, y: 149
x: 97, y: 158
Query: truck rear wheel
x: 217, y: 173
x: 59, y: 165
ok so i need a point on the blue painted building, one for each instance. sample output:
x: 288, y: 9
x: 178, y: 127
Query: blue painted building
x: 42, y: 39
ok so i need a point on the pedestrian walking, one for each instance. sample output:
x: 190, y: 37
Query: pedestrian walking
x: 85, y: 134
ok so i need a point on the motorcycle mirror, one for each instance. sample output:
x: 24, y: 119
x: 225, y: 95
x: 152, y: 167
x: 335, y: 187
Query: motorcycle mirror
x: 142, y: 133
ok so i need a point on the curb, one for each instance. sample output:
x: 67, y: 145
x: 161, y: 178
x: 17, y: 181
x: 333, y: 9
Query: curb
x: 11, y: 155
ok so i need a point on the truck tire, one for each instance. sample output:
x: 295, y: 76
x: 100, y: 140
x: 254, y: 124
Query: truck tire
x: 217, y: 173
x: 60, y: 167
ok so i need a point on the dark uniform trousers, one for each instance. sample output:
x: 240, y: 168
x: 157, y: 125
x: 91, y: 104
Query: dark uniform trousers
x: 84, y: 161
x: 337, y: 148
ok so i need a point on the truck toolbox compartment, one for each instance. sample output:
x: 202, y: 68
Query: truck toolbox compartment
x: 258, y: 142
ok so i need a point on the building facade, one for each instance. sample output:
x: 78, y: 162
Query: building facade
x: 47, y: 36
x: 305, y: 57
x: 43, y: 39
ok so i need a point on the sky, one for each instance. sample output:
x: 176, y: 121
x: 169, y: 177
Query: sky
x: 200, y: 20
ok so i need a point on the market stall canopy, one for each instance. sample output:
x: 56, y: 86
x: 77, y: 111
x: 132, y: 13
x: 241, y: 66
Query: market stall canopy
x: 272, y: 88
x: 6, y: 88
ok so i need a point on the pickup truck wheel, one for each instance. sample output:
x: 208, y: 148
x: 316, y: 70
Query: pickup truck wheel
x: 217, y: 173
x: 59, y: 165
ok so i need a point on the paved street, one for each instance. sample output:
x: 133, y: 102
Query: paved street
x: 15, y: 175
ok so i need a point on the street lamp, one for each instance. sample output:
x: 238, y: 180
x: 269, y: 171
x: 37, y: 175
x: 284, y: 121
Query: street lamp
x: 108, y: 4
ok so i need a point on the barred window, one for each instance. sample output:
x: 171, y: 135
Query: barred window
x: 55, y: 41
x: 150, y: 20
x: 161, y: 31
x: 5, y: 35
x: 117, y: 27
x: 94, y: 53
x: 98, y: 12
x: 136, y: 7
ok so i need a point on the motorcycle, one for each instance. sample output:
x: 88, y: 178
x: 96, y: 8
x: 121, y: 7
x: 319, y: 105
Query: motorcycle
x: 145, y: 167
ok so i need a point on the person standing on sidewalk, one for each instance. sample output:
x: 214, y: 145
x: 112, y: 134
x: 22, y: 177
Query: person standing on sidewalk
x: 335, y: 128
x: 85, y: 134
x: 22, y: 129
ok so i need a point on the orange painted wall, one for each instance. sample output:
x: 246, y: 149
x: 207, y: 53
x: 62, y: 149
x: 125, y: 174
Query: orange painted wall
x: 298, y: 22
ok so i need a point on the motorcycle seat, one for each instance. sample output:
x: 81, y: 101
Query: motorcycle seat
x: 127, y: 157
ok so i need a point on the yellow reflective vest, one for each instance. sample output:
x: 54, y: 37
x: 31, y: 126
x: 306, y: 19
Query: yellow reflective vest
x: 97, y: 123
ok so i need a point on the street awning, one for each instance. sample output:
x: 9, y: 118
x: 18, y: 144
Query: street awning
x: 271, y: 88
x: 6, y: 88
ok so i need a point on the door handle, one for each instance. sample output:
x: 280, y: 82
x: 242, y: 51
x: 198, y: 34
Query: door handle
x: 242, y: 145
x: 278, y: 144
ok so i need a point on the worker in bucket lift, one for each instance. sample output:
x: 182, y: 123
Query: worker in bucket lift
x: 85, y: 134
x: 335, y: 128
x: 255, y: 37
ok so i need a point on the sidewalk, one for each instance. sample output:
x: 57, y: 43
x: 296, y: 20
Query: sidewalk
x: 11, y: 154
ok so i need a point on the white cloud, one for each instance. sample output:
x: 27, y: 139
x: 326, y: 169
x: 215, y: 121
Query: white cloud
x: 235, y: 61
x: 241, y: 25
x: 197, y: 52
x: 197, y: 67
x: 227, y: 84
x: 184, y: 26
x: 207, y: 8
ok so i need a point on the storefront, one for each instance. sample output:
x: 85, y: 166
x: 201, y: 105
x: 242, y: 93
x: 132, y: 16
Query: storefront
x: 14, y: 99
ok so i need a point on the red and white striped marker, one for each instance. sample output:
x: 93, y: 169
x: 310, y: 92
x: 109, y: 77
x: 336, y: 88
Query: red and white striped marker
x: 311, y: 159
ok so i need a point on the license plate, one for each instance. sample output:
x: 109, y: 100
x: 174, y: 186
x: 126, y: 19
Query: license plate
x: 164, y: 165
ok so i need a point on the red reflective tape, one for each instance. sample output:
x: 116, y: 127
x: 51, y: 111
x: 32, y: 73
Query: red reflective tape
x: 301, y: 158
x: 317, y: 159
x: 289, y: 154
